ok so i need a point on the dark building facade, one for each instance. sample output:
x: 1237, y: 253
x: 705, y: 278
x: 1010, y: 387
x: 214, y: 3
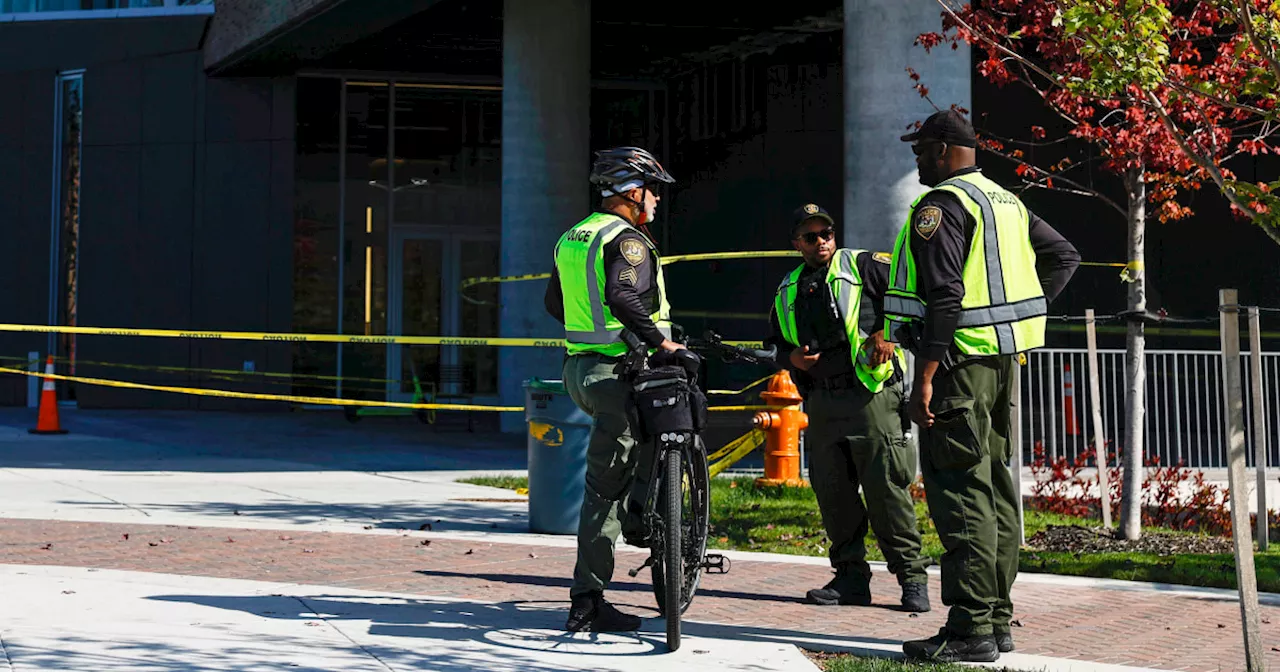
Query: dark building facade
x: 335, y: 166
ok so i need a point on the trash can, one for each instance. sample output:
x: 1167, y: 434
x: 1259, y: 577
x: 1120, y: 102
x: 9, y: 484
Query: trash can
x: 558, y: 436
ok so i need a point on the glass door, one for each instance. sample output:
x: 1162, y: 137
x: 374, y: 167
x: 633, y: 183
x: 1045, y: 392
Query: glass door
x: 419, y: 307
x: 428, y: 266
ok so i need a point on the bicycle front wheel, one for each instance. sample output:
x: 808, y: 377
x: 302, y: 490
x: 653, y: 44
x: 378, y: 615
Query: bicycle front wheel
x: 695, y: 507
x: 673, y: 555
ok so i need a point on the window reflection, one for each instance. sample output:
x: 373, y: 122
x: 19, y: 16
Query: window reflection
x: 66, y: 234
x: 367, y: 202
x: 315, y: 237
x: 431, y: 214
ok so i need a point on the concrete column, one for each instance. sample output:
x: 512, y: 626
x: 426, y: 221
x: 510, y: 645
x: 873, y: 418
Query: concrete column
x: 879, y: 104
x: 546, y: 94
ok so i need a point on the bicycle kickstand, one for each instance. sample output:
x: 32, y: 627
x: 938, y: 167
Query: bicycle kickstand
x: 648, y: 562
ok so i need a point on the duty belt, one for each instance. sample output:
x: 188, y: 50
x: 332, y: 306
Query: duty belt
x: 839, y: 381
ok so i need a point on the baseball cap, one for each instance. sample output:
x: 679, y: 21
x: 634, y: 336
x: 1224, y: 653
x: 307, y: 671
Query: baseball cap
x: 947, y: 126
x: 807, y: 211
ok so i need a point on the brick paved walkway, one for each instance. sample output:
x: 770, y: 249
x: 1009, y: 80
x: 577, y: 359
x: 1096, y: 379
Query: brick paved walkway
x: 757, y: 600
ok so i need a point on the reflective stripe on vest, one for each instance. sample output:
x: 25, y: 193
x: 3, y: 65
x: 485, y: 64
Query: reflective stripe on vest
x: 1003, y: 308
x: 846, y: 289
x: 589, y: 324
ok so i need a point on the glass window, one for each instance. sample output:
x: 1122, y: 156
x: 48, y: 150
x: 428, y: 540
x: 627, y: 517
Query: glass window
x: 399, y: 178
x: 479, y: 316
x: 29, y: 6
x: 366, y: 204
x: 69, y: 108
x: 315, y: 233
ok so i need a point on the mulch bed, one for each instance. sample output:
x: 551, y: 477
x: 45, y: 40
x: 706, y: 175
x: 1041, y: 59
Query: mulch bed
x: 1078, y: 539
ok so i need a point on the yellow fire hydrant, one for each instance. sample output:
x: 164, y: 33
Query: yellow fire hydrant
x: 782, y: 432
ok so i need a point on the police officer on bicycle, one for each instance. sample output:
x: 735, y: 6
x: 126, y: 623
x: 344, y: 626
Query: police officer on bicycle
x: 826, y: 323
x: 608, y: 277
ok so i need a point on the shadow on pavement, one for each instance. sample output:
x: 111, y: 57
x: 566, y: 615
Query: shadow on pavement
x: 567, y: 582
x: 390, y: 515
x: 522, y: 634
x: 221, y: 442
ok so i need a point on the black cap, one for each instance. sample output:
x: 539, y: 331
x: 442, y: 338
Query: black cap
x: 807, y: 211
x: 947, y: 126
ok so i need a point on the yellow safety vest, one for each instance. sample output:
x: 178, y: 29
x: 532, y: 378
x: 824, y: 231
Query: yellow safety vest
x: 846, y: 290
x: 1003, y: 309
x: 579, y: 257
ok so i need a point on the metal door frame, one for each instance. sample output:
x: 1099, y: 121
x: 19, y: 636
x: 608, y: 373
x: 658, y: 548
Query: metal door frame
x: 451, y: 240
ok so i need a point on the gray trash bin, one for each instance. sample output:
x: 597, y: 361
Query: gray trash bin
x: 558, y: 436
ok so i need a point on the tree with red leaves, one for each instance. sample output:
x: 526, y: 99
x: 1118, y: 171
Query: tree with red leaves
x: 1161, y: 93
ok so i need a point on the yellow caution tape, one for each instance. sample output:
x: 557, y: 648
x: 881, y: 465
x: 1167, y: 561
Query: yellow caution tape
x: 707, y: 256
x: 262, y: 397
x: 673, y: 259
x: 731, y: 446
x: 748, y: 387
x: 232, y: 373
x: 311, y: 338
x: 749, y: 408
x: 712, y: 314
x: 299, y: 399
x: 704, y: 256
x: 741, y: 448
x: 290, y: 338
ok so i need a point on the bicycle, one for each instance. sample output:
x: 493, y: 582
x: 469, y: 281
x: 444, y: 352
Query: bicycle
x: 672, y: 411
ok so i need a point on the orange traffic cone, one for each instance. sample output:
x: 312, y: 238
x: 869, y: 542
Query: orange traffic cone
x: 47, y: 422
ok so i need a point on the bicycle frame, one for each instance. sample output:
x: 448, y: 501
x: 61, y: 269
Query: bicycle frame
x: 665, y: 500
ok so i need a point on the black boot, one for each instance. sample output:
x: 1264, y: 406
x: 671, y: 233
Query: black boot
x: 915, y: 597
x: 1004, y: 641
x: 847, y: 588
x: 947, y: 648
x: 592, y: 613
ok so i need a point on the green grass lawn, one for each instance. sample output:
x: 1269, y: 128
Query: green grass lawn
x: 786, y: 520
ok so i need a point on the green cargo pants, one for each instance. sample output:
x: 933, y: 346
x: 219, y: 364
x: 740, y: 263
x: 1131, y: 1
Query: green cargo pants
x: 970, y: 493
x: 855, y: 438
x: 617, y: 464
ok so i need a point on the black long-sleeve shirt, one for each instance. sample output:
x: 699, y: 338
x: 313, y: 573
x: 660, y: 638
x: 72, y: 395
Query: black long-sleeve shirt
x: 628, y: 289
x: 940, y: 259
x: 820, y: 327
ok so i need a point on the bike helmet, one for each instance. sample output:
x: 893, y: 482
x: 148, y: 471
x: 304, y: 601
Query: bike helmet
x: 621, y: 169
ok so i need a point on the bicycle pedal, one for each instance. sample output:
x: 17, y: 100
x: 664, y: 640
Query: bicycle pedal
x: 648, y: 562
x: 714, y: 563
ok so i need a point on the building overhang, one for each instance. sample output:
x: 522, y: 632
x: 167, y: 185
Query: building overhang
x: 265, y: 39
x: 67, y: 40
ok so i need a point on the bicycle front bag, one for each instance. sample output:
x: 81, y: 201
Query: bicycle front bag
x: 667, y: 402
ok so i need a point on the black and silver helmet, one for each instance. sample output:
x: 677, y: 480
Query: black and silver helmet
x: 621, y: 169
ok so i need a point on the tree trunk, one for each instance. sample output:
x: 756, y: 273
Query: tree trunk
x: 1135, y: 359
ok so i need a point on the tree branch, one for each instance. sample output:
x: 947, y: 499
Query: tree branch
x: 1007, y: 51
x: 1079, y: 188
x: 1208, y: 166
x: 1225, y: 103
x: 1246, y: 21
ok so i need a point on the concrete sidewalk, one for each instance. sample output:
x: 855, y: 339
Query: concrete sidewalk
x: 60, y: 618
x: 333, y: 507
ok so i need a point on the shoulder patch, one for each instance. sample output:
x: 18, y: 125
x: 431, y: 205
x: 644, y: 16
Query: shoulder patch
x: 633, y: 251
x: 927, y: 220
x: 882, y: 257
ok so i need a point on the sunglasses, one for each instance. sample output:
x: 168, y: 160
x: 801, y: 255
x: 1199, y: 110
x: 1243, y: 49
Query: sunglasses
x: 812, y: 237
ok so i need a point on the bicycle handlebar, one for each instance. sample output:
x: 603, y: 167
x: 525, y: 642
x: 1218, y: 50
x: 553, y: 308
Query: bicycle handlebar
x: 710, y: 343
x: 732, y: 353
